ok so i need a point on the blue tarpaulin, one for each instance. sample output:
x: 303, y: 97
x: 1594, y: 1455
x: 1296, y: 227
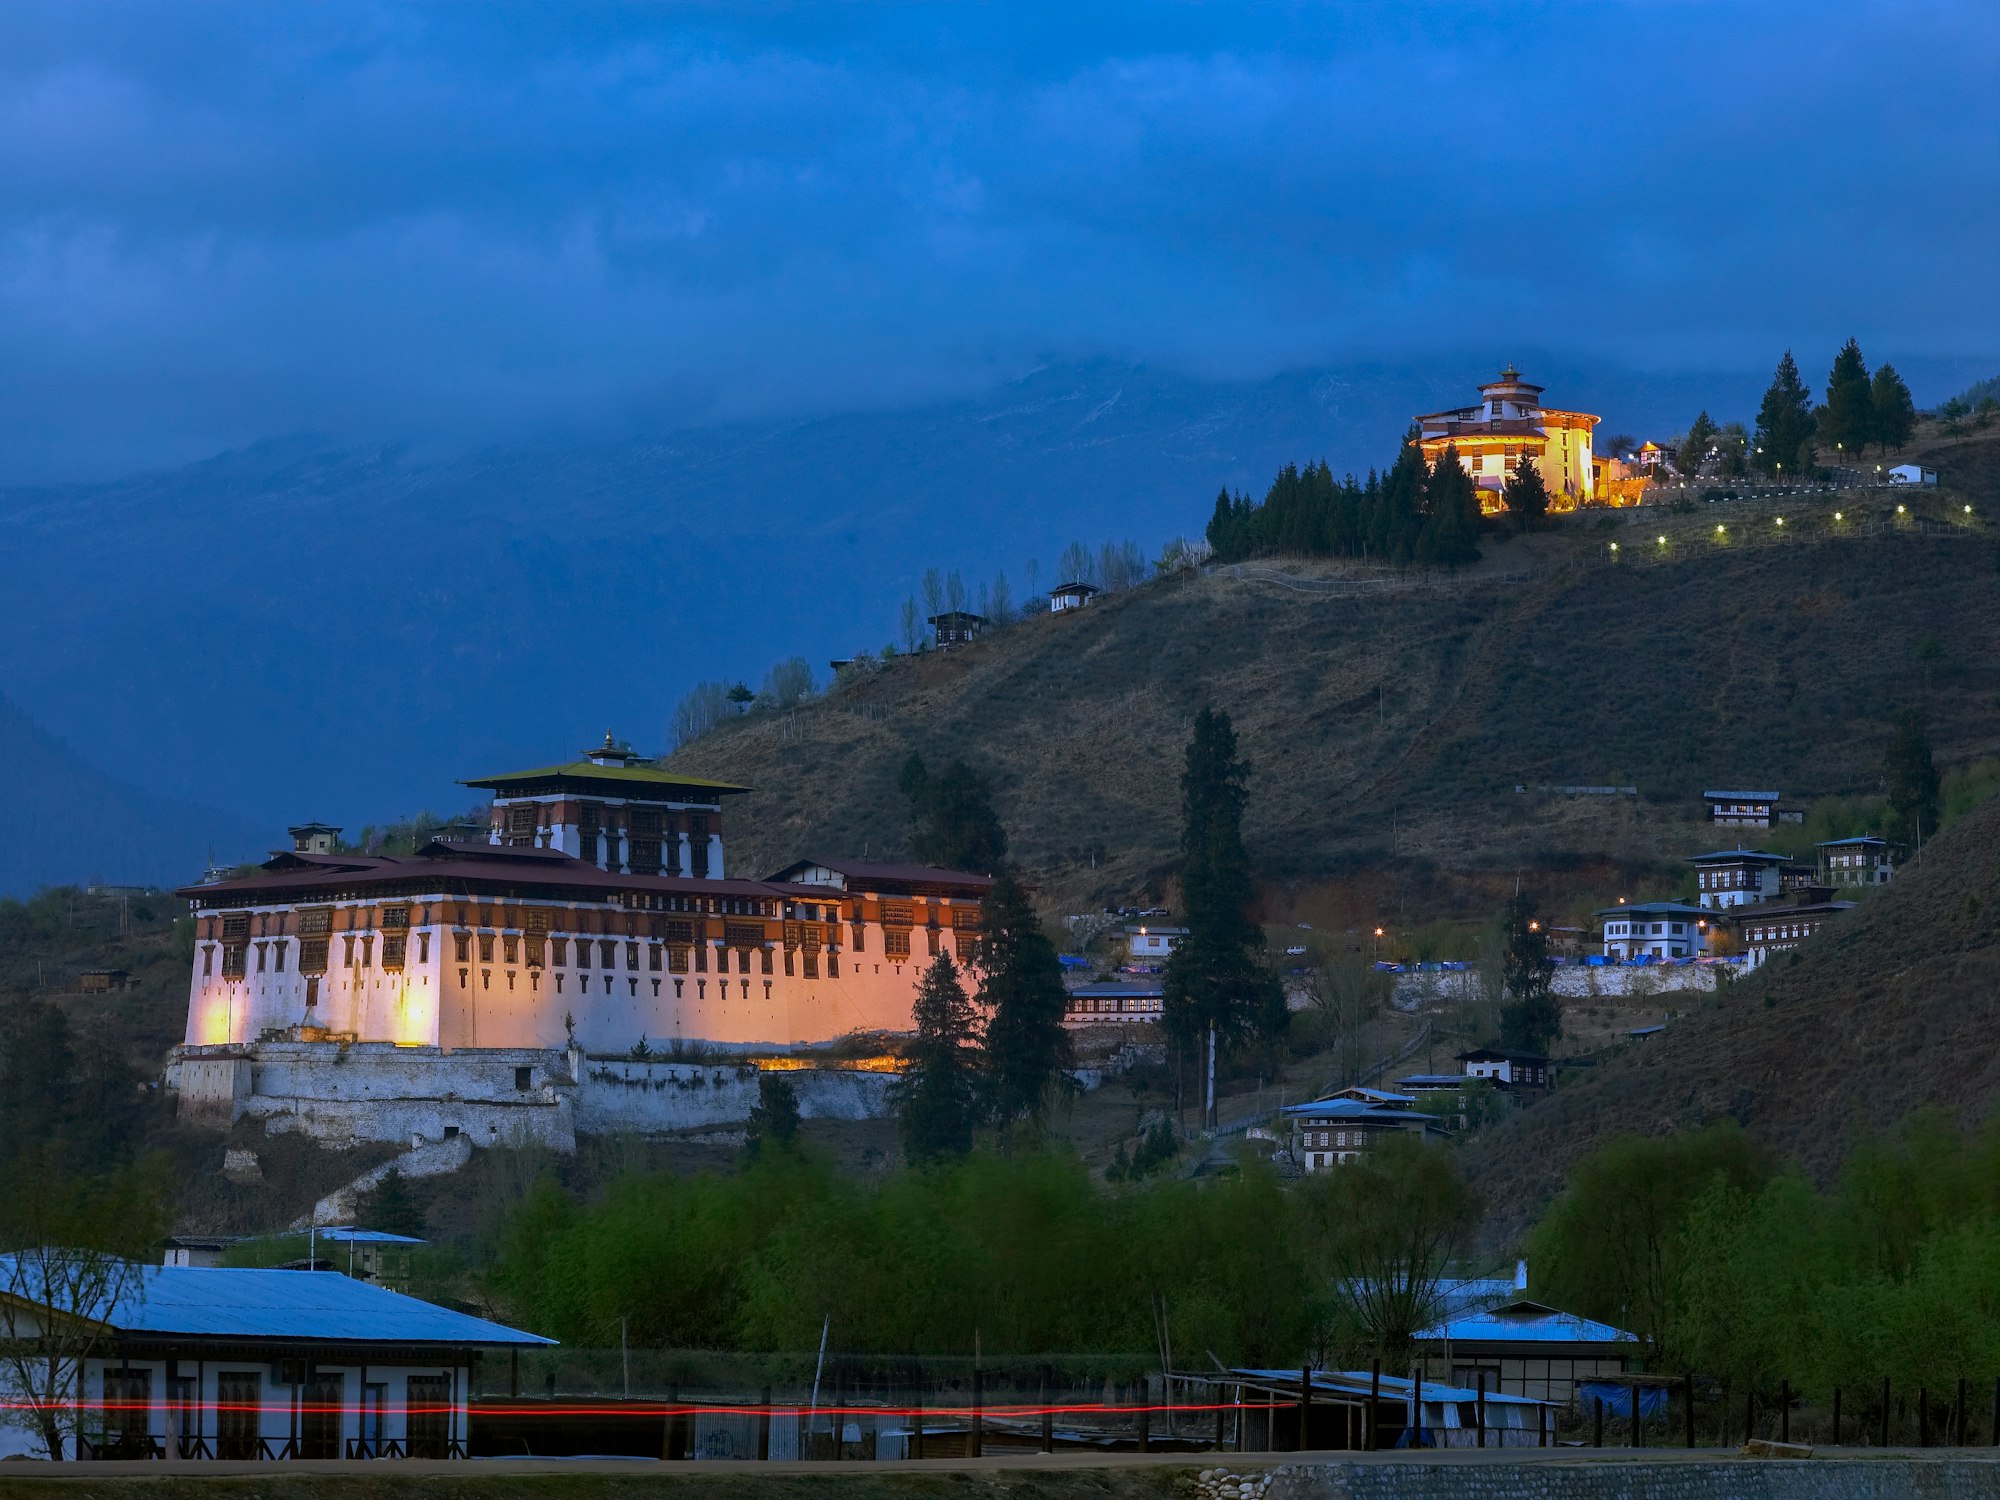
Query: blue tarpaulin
x: 1617, y: 1399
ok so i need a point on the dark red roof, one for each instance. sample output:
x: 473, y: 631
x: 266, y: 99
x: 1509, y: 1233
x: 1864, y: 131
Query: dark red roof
x: 440, y: 865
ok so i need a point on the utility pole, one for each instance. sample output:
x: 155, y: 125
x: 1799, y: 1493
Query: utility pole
x: 1213, y: 1123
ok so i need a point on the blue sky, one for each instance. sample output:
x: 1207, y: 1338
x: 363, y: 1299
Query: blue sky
x: 221, y: 222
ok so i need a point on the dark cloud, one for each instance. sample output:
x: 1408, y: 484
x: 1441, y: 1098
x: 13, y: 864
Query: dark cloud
x: 225, y: 221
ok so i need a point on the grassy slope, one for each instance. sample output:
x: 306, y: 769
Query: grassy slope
x: 1387, y: 730
x: 1889, y: 1010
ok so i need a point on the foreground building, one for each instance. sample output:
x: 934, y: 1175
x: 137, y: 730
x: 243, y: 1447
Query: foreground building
x: 490, y: 974
x: 259, y: 1364
x: 1510, y: 427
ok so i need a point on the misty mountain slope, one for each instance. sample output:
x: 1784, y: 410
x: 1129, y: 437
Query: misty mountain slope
x: 377, y: 622
x: 68, y: 822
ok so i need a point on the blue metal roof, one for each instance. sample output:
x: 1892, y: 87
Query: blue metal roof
x: 1353, y: 1109
x: 1739, y: 856
x: 223, y: 1302
x: 1524, y: 1322
x: 1741, y: 796
x: 1392, y: 1387
x: 342, y: 1234
x: 1865, y: 838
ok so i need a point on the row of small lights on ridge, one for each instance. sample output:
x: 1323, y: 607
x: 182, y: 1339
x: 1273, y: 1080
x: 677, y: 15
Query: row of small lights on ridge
x: 1721, y: 530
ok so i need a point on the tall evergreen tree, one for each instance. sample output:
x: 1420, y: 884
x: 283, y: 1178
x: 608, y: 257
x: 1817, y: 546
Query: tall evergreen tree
x: 1911, y: 777
x: 1027, y: 1056
x: 936, y: 1098
x: 1849, y: 420
x: 955, y: 825
x: 1784, y: 422
x: 1217, y: 978
x: 1526, y: 496
x: 1694, y: 447
x: 1450, y: 533
x: 1894, y: 412
x: 389, y: 1207
x: 1531, y: 1018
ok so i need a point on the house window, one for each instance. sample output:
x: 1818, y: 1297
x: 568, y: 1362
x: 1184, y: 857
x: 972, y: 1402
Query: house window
x: 524, y: 1079
x: 608, y: 952
x: 393, y: 947
x: 395, y: 918
x: 486, y: 947
x: 895, y: 942
x: 510, y: 947
x: 233, y: 955
x: 677, y: 961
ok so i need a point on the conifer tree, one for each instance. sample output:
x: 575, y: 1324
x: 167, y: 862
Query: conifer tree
x: 1911, y: 777
x: 774, y: 1119
x: 1531, y: 1019
x: 1450, y: 533
x: 1027, y: 1055
x: 936, y: 1098
x: 955, y: 825
x: 1526, y: 495
x: 1216, y: 980
x: 390, y: 1208
x: 1694, y: 447
x: 1784, y: 422
x: 1849, y: 419
x: 1894, y: 412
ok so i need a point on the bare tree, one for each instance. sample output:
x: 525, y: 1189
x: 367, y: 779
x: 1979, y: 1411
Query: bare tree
x: 700, y: 711
x: 1076, y: 565
x: 1389, y: 1226
x: 52, y: 1301
x: 912, y: 623
x: 954, y: 592
x: 1350, y: 995
x: 932, y: 588
x: 788, y: 683
x: 1000, y: 601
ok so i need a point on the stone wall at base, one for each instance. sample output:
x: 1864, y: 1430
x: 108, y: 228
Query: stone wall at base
x: 347, y: 1094
x: 1570, y: 1476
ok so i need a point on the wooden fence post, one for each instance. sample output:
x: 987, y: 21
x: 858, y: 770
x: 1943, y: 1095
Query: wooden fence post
x: 1784, y: 1411
x: 1597, y: 1421
x: 764, y: 1426
x: 1375, y: 1400
x: 1687, y: 1406
x: 1048, y: 1411
x: 1481, y: 1409
x: 1305, y: 1406
x: 1836, y: 1416
x: 977, y: 1441
x: 1885, y: 1411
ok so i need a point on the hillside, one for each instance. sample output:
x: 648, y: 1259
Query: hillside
x: 429, y: 611
x: 67, y: 822
x: 1889, y: 1010
x: 1389, y: 719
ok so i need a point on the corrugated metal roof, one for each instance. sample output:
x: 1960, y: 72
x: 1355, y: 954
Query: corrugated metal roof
x: 1524, y: 1322
x: 1392, y: 1387
x: 221, y: 1302
x: 1739, y: 856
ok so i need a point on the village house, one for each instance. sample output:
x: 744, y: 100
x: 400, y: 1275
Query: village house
x: 1656, y: 929
x: 1511, y: 1070
x: 1510, y: 427
x: 1067, y: 596
x: 956, y: 627
x: 1779, y: 926
x: 1862, y: 861
x: 1113, y: 1004
x: 1742, y: 809
x: 1525, y: 1348
x: 1150, y: 943
x: 1737, y: 877
x: 215, y: 1363
x: 1342, y: 1127
x: 1912, y: 474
